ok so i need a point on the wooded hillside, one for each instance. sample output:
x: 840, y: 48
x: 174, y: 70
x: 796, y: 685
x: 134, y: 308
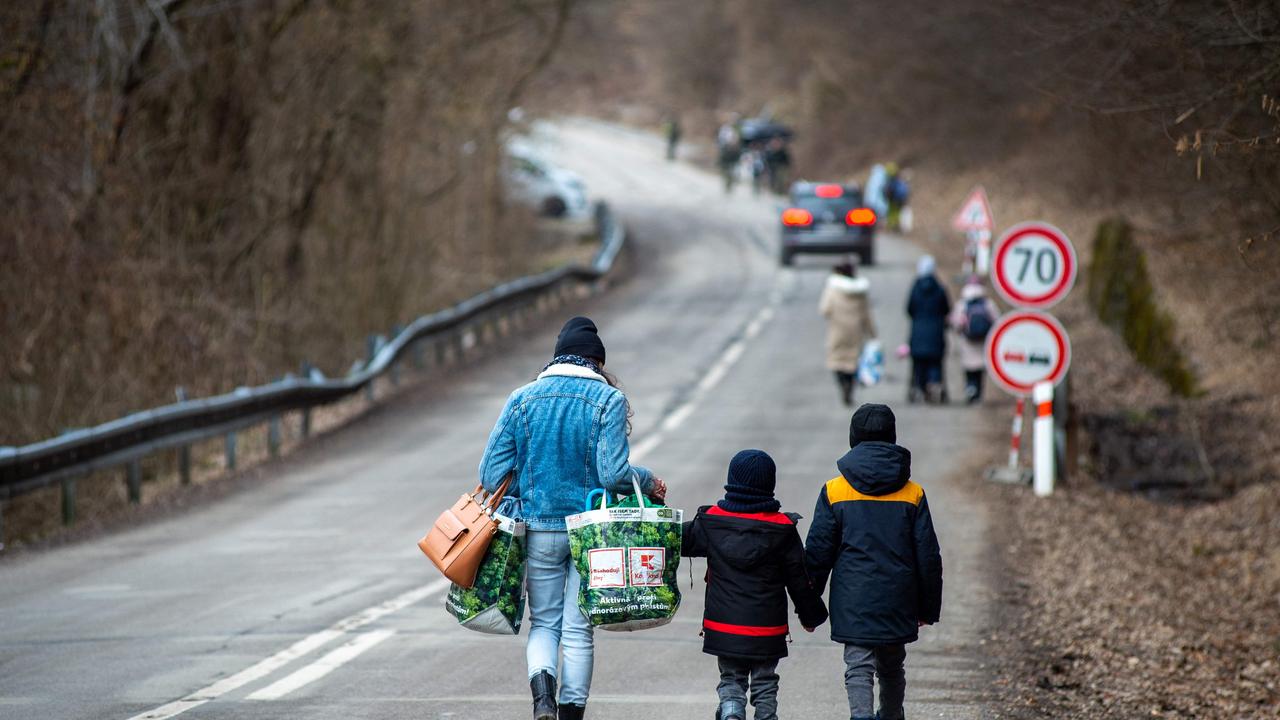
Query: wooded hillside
x: 208, y: 192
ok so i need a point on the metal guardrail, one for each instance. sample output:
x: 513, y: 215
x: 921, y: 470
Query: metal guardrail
x: 126, y: 440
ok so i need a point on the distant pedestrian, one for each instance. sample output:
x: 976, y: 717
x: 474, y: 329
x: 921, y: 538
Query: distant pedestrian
x: 874, y: 193
x: 928, y: 306
x: 872, y: 534
x: 845, y: 305
x: 777, y: 161
x: 754, y: 560
x: 972, y: 318
x: 573, y: 410
x: 728, y: 152
x: 673, y: 136
x: 897, y: 194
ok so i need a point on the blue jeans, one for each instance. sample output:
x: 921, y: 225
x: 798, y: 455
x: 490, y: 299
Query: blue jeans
x: 555, y: 622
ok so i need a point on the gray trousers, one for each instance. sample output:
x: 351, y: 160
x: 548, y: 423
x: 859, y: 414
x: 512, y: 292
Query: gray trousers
x: 861, y: 666
x: 759, y: 677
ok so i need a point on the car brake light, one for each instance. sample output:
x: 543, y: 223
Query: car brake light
x: 861, y: 216
x: 828, y: 191
x: 796, y: 217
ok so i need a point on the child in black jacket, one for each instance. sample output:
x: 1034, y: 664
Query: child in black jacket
x: 872, y: 534
x: 754, y: 559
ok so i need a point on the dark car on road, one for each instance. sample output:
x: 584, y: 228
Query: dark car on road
x: 827, y: 218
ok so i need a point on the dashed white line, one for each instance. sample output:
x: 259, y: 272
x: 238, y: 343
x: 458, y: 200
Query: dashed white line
x: 713, y: 377
x: 302, y: 647
x: 325, y: 665
x: 677, y: 418
x: 645, y: 446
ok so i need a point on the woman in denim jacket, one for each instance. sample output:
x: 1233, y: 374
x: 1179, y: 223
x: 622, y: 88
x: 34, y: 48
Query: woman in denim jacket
x: 563, y: 435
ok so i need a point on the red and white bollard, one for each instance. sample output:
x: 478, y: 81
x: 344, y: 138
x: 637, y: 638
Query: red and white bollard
x: 1015, y: 438
x: 1042, y: 433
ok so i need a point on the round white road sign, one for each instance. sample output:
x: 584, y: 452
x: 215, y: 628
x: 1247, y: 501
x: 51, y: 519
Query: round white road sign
x: 1027, y: 347
x: 1035, y: 265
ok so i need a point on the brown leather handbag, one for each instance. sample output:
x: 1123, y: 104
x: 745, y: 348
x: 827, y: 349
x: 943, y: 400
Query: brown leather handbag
x: 456, y: 543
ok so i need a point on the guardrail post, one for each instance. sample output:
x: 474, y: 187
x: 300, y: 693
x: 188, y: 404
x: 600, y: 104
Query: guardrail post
x: 305, y: 423
x: 419, y: 356
x: 273, y: 436
x: 395, y: 366
x: 372, y: 345
x: 1, y: 525
x: 231, y: 451
x: 184, y: 452
x: 68, y: 500
x: 1064, y: 429
x: 133, y: 481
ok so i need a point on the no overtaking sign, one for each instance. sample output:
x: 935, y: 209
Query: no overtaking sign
x: 1027, y: 347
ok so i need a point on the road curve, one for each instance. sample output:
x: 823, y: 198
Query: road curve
x: 305, y: 596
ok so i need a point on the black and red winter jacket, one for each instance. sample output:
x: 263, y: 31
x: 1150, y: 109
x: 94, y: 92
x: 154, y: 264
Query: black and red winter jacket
x: 753, y: 561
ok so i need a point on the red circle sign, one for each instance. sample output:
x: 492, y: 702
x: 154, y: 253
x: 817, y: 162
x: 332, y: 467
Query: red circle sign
x: 1034, y: 265
x: 1025, y: 348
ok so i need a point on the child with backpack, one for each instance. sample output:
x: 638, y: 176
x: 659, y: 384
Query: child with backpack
x: 872, y: 535
x: 754, y: 560
x: 972, y: 318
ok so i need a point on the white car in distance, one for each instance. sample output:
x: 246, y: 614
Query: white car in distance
x: 535, y: 181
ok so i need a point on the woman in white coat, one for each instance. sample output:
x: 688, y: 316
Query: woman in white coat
x: 847, y: 308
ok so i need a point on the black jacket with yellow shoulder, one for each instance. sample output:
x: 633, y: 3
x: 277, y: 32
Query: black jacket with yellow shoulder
x: 873, y: 537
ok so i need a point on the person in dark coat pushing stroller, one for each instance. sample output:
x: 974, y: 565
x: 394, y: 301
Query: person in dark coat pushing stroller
x: 754, y: 560
x: 872, y: 534
x: 928, y: 307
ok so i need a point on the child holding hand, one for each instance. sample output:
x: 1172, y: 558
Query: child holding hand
x: 754, y: 560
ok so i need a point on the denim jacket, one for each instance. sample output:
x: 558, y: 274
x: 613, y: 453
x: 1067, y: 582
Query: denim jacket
x: 564, y: 435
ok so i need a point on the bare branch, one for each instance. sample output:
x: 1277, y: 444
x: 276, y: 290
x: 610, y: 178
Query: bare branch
x: 563, y: 8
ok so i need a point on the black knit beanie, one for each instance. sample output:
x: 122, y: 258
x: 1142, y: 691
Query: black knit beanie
x: 873, y: 421
x: 580, y: 337
x: 752, y: 477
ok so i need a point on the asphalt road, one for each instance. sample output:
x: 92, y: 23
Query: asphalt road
x: 305, y: 596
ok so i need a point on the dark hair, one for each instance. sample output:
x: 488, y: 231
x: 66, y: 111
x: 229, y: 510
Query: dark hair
x: 613, y: 382
x: 847, y: 269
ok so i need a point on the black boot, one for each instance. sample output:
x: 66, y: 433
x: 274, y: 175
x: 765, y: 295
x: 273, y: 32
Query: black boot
x: 572, y: 712
x: 543, y: 686
x: 845, y: 383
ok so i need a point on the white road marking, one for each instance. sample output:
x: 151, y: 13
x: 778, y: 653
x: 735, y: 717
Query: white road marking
x: 677, y: 418
x: 325, y: 665
x: 97, y: 589
x: 714, y: 375
x: 645, y: 446
x: 302, y: 647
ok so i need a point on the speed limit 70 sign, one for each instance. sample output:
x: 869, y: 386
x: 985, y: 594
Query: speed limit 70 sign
x: 1035, y: 265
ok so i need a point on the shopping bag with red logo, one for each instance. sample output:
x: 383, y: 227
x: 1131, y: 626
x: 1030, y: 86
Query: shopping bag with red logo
x: 627, y: 554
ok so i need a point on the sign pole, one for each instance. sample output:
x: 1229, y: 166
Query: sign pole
x: 1015, y: 438
x: 1044, y: 447
x: 984, y: 252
